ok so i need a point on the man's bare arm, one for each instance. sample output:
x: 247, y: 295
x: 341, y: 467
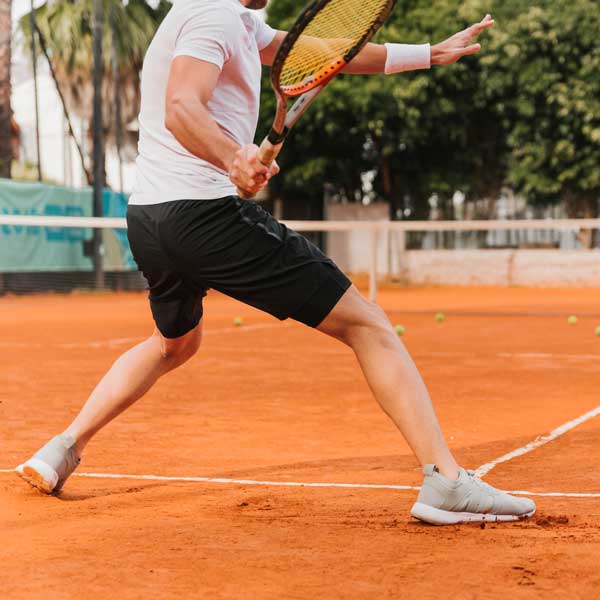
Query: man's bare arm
x: 191, y: 86
x: 267, y: 55
x: 372, y: 59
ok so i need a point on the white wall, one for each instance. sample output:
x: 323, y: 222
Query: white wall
x: 544, y: 268
x: 351, y: 251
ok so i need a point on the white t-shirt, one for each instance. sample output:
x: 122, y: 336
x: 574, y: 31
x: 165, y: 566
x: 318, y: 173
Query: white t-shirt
x: 228, y: 35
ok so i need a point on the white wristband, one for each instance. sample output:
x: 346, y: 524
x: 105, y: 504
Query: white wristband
x: 407, y: 57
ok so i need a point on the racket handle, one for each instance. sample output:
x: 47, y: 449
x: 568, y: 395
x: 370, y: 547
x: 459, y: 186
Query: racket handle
x: 267, y: 153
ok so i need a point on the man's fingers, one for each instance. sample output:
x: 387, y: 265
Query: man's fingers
x: 257, y: 167
x: 455, y: 55
x: 469, y: 50
x: 247, y: 172
x: 476, y: 29
x: 460, y: 52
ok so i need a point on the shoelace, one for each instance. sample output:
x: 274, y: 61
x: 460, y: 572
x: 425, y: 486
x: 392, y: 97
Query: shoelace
x: 482, y: 484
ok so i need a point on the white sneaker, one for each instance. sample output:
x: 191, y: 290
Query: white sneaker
x: 51, y: 465
x: 444, y: 501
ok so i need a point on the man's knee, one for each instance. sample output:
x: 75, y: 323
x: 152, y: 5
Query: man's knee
x: 180, y: 350
x: 368, y: 319
x: 373, y: 323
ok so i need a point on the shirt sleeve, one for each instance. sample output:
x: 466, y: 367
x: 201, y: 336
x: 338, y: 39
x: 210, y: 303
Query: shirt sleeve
x: 264, y: 34
x: 208, y: 35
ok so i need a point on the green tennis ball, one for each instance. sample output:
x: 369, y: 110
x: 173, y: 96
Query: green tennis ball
x: 238, y: 321
x: 598, y: 331
x: 572, y: 320
x: 440, y: 317
x: 399, y: 329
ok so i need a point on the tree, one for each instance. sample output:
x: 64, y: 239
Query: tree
x: 6, y: 150
x: 66, y: 26
x: 420, y: 133
x: 545, y: 62
x: 525, y: 113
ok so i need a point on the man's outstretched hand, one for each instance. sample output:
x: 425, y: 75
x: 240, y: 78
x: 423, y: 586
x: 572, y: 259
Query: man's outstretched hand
x: 459, y: 45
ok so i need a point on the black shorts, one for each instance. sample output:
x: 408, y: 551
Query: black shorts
x: 234, y: 246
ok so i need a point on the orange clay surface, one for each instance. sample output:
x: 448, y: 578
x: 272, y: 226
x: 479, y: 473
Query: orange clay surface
x: 279, y: 402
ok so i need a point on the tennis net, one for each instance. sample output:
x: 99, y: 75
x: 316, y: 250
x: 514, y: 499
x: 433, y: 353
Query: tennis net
x: 40, y: 253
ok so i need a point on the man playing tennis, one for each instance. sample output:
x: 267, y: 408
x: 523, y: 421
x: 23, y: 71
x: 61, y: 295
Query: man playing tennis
x: 189, y: 231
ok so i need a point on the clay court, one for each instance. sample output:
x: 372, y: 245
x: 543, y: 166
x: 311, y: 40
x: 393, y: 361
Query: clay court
x: 264, y: 469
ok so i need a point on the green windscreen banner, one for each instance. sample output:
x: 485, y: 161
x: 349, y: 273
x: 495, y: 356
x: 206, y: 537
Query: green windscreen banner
x: 26, y: 249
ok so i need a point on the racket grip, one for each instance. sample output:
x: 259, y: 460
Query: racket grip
x: 267, y: 153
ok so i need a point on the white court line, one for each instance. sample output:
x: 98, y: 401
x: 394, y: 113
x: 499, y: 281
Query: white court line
x: 101, y: 343
x: 248, y: 327
x: 541, y: 355
x: 525, y: 355
x: 252, y: 482
x: 538, y: 442
x: 133, y: 340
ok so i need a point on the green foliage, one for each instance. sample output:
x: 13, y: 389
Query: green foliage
x: 66, y: 26
x: 546, y: 61
x: 524, y: 113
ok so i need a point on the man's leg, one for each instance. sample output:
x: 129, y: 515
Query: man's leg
x: 449, y: 494
x: 130, y: 377
x: 392, y: 376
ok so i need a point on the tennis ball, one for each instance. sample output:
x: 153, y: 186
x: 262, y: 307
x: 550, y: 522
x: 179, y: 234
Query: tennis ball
x: 238, y: 321
x: 399, y: 329
x: 572, y: 320
x: 598, y: 331
x: 440, y: 317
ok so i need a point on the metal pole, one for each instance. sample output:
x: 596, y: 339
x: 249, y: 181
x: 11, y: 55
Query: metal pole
x: 98, y: 136
x: 373, y: 268
x: 6, y: 147
x: 35, y: 91
x: 401, y: 254
x: 117, y: 93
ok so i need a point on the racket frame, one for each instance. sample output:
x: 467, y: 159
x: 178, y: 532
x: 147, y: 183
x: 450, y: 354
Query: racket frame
x: 285, y: 119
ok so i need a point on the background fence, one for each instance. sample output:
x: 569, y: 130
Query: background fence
x: 379, y: 249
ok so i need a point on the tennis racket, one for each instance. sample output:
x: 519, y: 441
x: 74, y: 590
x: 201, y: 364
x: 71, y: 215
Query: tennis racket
x: 323, y: 40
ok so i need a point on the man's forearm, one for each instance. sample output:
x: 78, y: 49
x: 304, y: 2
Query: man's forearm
x: 369, y: 61
x: 395, y: 58
x: 389, y: 58
x: 196, y: 130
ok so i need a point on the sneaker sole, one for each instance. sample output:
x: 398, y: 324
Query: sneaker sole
x: 436, y: 516
x: 39, y: 475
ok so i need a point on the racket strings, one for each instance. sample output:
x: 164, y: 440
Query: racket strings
x: 333, y: 32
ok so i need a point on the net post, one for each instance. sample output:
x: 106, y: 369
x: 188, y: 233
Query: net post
x: 98, y: 135
x: 373, y: 267
x: 401, y: 249
x: 389, y: 254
